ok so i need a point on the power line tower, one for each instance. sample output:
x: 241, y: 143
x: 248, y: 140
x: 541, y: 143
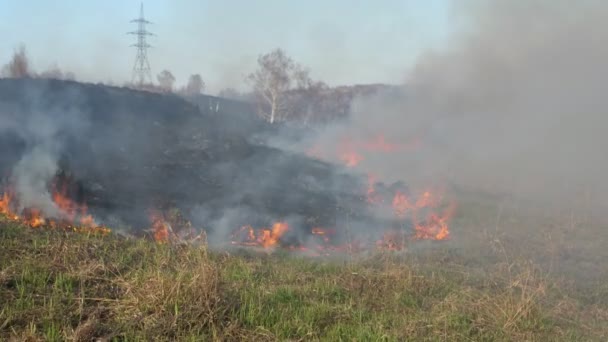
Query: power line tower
x: 141, y: 69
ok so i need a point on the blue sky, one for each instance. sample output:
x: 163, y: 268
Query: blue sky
x: 341, y: 41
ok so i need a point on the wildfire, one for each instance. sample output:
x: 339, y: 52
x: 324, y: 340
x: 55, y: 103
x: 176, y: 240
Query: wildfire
x: 436, y: 226
x: 264, y: 237
x: 73, y: 211
x: 72, y: 216
x: 160, y: 227
x: 5, y: 206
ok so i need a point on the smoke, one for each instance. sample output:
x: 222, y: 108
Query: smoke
x: 42, y: 130
x: 515, y: 103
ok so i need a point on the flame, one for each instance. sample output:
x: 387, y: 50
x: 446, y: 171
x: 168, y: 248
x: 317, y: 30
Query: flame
x: 264, y: 237
x: 160, y: 227
x: 73, y: 211
x: 436, y: 226
x: 5, y: 206
x: 33, y: 218
x: 72, y: 216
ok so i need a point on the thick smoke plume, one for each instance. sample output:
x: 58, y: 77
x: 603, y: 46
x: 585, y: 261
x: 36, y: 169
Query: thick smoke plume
x: 515, y: 103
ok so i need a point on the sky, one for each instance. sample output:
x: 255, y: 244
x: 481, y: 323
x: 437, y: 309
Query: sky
x: 340, y: 41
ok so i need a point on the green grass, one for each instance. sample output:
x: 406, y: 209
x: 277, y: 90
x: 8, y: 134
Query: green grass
x: 499, y: 279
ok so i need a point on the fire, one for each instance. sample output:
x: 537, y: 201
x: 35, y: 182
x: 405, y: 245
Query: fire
x: 264, y: 237
x: 33, y: 218
x: 73, y: 211
x: 72, y: 216
x: 5, y: 206
x: 160, y: 227
x: 436, y: 226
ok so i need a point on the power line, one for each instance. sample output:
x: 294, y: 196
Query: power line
x: 141, y: 69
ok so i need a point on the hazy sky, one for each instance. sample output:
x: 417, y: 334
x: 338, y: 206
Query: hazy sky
x: 341, y: 41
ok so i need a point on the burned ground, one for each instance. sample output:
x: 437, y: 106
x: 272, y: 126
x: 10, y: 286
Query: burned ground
x: 127, y: 152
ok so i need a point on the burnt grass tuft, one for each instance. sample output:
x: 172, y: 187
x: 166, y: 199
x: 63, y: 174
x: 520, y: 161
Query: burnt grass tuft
x: 533, y: 284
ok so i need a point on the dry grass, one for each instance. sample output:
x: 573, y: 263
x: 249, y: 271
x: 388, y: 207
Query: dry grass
x: 483, y: 285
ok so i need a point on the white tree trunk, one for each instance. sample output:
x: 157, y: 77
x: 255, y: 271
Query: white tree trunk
x: 273, y: 110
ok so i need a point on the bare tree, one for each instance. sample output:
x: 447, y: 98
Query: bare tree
x: 166, y: 80
x: 276, y: 75
x: 19, y: 65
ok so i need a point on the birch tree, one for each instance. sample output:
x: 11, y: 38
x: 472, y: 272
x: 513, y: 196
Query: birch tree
x: 276, y: 75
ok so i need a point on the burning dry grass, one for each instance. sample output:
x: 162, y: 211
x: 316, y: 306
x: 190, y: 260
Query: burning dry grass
x: 56, y: 285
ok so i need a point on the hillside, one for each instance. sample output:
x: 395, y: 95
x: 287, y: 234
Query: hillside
x: 125, y: 152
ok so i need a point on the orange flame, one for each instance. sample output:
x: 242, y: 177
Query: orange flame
x: 160, y: 227
x: 5, y: 206
x: 436, y: 226
x: 33, y: 218
x: 264, y: 237
x: 70, y: 213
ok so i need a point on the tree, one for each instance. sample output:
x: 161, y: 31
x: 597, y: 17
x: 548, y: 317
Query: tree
x: 275, y: 77
x: 308, y: 102
x: 19, y: 65
x: 166, y: 80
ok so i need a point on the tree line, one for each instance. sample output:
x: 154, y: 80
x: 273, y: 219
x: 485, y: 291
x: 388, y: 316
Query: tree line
x: 280, y: 88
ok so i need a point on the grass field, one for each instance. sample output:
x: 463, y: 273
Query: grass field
x: 505, y: 275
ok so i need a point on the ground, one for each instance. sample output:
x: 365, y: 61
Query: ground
x: 504, y: 275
